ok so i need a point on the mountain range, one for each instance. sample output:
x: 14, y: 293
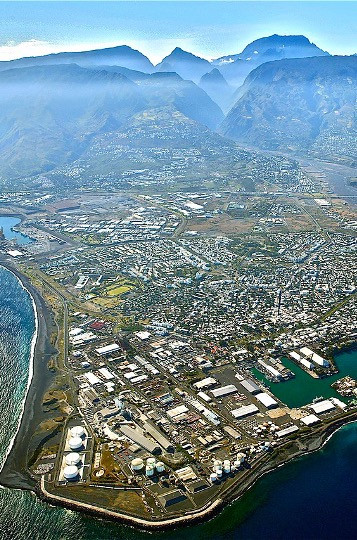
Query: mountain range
x: 294, y: 97
x: 302, y: 105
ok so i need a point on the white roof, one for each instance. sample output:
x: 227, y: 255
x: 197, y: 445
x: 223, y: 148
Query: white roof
x: 139, y: 378
x: 208, y: 381
x: 93, y: 379
x: 287, y: 431
x: 224, y: 390
x: 106, y: 373
x: 143, y: 335
x: 246, y: 410
x: 310, y: 419
x: 266, y: 400
x: 177, y: 410
x: 322, y: 406
x: 108, y: 348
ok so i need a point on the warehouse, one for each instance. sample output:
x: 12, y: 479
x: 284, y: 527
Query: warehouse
x: 181, y: 409
x: 107, y: 349
x: 246, y: 410
x: 250, y: 385
x: 296, y: 356
x: 224, y: 391
x: 310, y: 420
x: 173, y: 497
x: 316, y: 358
x: 139, y: 439
x: 322, y: 406
x: 266, y: 400
x: 270, y: 369
x: 232, y: 432
x: 287, y: 431
x: 159, y: 437
x: 205, y: 383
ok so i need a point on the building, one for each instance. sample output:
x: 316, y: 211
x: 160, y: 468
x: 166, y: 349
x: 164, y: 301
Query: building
x: 287, y: 431
x: 159, y: 437
x: 139, y: 439
x: 224, y: 391
x: 316, y: 358
x: 108, y: 349
x: 172, y: 497
x: 266, y: 400
x: 310, y: 420
x: 250, y: 385
x: 322, y: 406
x: 246, y: 410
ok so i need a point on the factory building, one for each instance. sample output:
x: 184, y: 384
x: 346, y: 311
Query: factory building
x: 250, y: 385
x: 159, y: 437
x: 139, y: 439
x: 266, y: 400
x: 316, y: 358
x: 205, y: 383
x: 310, y: 420
x: 173, y: 497
x: 224, y: 391
x: 108, y: 349
x: 287, y: 431
x: 322, y: 406
x: 298, y: 358
x: 270, y: 369
x: 244, y: 411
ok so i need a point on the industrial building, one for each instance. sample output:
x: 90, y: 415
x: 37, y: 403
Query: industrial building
x: 108, y: 349
x: 298, y: 358
x: 287, y: 431
x: 270, y: 369
x: 224, y: 391
x: 310, y: 420
x: 172, y: 497
x: 250, y: 385
x: 322, y: 406
x: 316, y: 358
x: 139, y: 439
x: 246, y: 410
x: 159, y: 437
x: 266, y: 400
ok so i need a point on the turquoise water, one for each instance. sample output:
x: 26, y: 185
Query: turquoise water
x: 303, y: 388
x: 312, y: 498
x: 7, y: 223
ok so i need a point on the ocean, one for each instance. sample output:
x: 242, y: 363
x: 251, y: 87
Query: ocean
x: 312, y: 498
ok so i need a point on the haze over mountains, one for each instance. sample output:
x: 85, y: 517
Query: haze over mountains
x: 280, y: 93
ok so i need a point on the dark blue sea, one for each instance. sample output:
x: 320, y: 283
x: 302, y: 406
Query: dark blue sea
x: 313, y: 498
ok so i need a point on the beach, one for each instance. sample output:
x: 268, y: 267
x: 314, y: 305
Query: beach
x: 14, y: 472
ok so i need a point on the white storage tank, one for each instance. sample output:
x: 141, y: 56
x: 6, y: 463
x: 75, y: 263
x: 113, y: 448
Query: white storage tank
x: 77, y: 431
x: 70, y: 472
x: 217, y: 463
x: 219, y: 473
x: 137, y: 464
x: 75, y: 443
x: 213, y: 477
x: 160, y: 466
x: 151, y: 461
x: 227, y: 466
x: 73, y: 458
x: 149, y: 470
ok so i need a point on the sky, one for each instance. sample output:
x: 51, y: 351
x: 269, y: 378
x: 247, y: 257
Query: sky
x: 208, y: 29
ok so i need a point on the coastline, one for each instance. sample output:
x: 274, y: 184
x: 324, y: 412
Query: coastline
x: 14, y: 472
x: 15, y: 475
x: 208, y: 512
x: 31, y: 368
